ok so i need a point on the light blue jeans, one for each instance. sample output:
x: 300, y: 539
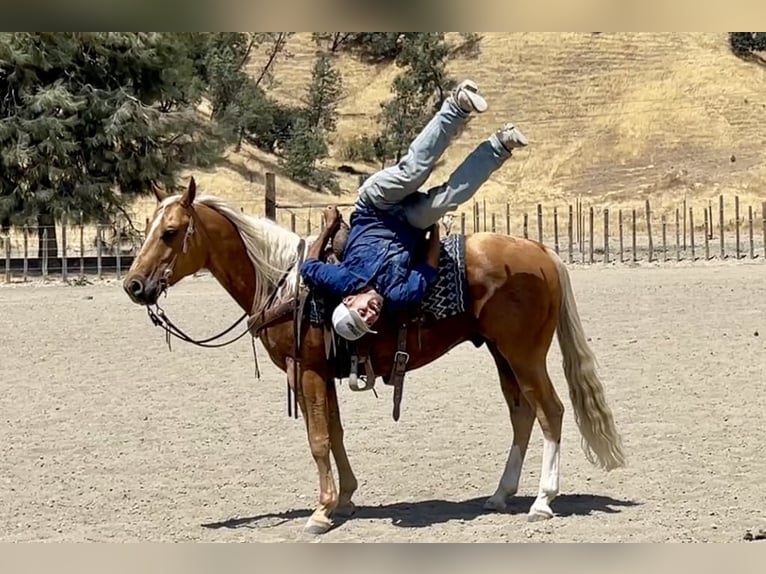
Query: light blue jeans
x: 397, y: 188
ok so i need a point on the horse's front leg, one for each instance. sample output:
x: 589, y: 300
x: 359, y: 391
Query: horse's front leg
x: 346, y: 479
x: 313, y: 403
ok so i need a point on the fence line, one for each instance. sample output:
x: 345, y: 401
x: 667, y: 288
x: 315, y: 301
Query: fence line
x: 70, y: 249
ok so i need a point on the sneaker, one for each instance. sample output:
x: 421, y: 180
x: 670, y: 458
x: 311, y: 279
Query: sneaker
x: 467, y: 97
x: 511, y: 137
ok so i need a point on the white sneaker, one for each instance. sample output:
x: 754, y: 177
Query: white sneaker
x: 467, y: 97
x: 511, y: 137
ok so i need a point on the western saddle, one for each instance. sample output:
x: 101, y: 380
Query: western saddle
x: 359, y: 352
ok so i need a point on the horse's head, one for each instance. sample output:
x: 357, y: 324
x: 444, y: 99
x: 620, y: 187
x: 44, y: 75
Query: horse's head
x: 171, y: 251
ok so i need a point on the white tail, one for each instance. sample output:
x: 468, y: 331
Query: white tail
x: 600, y: 440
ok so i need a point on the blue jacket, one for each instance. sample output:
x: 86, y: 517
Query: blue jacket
x: 378, y: 252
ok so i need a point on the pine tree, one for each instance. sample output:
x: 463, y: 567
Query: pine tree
x: 310, y: 135
x: 88, y: 119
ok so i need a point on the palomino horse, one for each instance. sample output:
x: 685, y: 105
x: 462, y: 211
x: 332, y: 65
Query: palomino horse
x: 520, y: 294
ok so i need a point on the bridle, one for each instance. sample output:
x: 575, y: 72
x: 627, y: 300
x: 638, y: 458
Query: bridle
x: 266, y: 316
x: 159, y: 317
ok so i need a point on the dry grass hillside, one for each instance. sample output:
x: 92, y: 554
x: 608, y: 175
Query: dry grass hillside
x: 613, y: 117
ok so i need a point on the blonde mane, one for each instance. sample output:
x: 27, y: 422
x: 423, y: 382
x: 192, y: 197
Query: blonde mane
x: 271, y: 248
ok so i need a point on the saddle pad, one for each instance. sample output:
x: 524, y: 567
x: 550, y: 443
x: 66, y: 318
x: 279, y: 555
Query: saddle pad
x: 446, y: 297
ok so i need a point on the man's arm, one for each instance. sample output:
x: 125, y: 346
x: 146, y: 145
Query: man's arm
x: 332, y: 222
x: 331, y: 279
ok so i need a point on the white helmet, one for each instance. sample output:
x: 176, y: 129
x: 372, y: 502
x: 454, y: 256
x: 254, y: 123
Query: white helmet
x: 349, y: 324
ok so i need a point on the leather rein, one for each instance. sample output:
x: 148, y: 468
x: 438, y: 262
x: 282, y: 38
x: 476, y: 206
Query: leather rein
x: 264, y: 318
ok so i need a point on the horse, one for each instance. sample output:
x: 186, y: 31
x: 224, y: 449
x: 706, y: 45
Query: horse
x: 520, y: 295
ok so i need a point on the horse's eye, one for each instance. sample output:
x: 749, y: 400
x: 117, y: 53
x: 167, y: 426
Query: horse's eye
x: 169, y: 234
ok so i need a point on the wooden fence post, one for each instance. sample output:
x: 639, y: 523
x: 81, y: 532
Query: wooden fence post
x: 556, y: 229
x: 664, y: 238
x: 484, y: 215
x: 462, y: 222
x: 707, y: 232
x: 26, y: 253
x: 590, y: 234
x: 526, y: 225
x: 619, y: 224
x: 763, y: 224
x: 649, y: 230
x: 750, y: 230
x: 118, y: 250
x: 292, y: 221
x: 606, y: 236
x: 736, y: 225
x: 82, y: 247
x: 63, y: 247
x: 540, y: 223
x: 570, y: 230
x: 8, y: 257
x: 99, y: 243
x: 720, y: 225
x: 635, y: 258
x: 45, y: 254
x: 270, y: 196
x: 684, y: 216
x: 494, y: 227
x: 476, y: 217
x: 508, y: 218
x: 691, y: 230
x: 678, y: 237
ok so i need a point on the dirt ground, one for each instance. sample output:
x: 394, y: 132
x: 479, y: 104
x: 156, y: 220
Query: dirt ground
x: 108, y: 436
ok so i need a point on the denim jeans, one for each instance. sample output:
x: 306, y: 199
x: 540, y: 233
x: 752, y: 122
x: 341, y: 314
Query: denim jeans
x: 397, y: 188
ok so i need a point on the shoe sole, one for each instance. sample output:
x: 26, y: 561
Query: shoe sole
x: 479, y: 104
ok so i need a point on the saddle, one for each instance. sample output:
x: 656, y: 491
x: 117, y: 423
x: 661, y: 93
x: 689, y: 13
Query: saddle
x: 357, y: 354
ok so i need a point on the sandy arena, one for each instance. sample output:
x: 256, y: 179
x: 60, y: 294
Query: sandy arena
x: 108, y: 436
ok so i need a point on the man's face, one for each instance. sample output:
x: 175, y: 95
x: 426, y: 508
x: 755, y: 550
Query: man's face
x: 368, y: 304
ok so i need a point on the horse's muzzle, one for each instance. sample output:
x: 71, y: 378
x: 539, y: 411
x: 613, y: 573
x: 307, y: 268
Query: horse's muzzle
x: 140, y: 290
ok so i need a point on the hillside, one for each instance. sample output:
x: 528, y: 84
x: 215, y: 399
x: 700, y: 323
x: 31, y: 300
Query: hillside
x: 614, y: 117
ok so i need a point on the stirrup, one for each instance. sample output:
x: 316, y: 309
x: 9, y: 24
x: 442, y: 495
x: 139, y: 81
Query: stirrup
x: 360, y: 383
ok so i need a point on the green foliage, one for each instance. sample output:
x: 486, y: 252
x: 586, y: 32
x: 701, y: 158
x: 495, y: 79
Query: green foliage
x: 239, y: 101
x: 370, y: 47
x: 308, y: 141
x: 88, y: 119
x: 359, y: 148
x: 418, y: 90
x: 746, y: 45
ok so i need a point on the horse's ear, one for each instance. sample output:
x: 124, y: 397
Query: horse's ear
x: 188, y: 197
x: 159, y: 193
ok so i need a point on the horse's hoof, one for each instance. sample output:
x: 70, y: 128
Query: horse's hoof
x: 495, y: 504
x: 346, y: 511
x: 316, y: 527
x: 539, y: 515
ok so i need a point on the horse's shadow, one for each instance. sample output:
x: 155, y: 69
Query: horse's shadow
x: 426, y: 513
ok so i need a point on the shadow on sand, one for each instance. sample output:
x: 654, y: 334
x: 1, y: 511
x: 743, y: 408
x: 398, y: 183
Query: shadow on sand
x: 426, y: 513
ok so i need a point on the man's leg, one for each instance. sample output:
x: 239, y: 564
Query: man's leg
x: 390, y: 186
x: 424, y: 210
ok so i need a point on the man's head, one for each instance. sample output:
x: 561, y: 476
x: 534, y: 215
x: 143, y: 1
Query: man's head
x: 354, y: 316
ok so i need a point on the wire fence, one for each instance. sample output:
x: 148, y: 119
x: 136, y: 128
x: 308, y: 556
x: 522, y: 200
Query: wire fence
x: 698, y: 231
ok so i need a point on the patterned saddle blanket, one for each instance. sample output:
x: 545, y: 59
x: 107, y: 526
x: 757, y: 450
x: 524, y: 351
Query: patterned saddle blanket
x: 448, y: 295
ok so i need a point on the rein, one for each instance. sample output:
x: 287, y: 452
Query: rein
x: 160, y: 319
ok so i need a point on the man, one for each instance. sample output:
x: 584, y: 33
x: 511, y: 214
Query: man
x: 391, y: 218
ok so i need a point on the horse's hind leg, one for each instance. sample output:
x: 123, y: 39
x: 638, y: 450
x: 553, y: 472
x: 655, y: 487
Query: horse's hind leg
x: 538, y: 389
x: 347, y: 482
x: 522, y: 421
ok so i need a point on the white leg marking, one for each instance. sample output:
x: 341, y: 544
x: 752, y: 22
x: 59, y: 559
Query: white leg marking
x: 549, y: 481
x: 509, y: 482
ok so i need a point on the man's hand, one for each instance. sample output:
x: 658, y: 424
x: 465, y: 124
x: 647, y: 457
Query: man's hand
x: 434, y: 247
x: 331, y: 217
